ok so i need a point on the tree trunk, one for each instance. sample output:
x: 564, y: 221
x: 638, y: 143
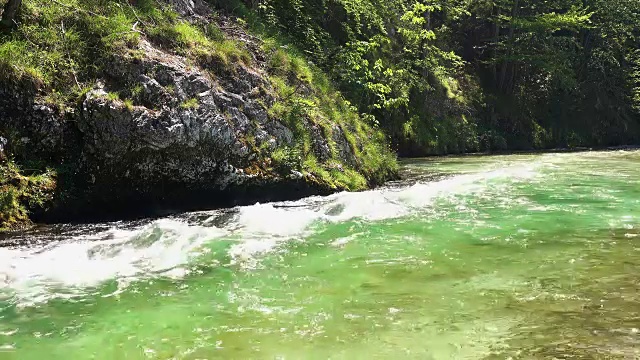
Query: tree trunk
x: 425, y: 52
x: 506, y: 63
x: 10, y: 11
x: 494, y: 44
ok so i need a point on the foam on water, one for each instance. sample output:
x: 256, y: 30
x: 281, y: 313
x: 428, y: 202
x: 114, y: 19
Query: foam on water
x: 64, y: 270
x: 267, y: 219
x: 165, y: 247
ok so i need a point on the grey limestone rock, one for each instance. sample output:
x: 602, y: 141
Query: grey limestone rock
x: 184, y: 127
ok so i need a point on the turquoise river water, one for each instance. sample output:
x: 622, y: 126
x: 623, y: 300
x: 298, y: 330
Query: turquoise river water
x: 479, y: 257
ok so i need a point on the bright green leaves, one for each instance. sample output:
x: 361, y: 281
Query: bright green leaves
x: 419, y: 13
x: 634, y: 78
x: 412, y: 36
x: 306, y: 99
x: 574, y: 19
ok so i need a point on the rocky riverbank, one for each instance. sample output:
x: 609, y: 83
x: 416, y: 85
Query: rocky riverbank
x: 170, y: 122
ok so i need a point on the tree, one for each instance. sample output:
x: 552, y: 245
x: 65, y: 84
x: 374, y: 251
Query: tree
x: 9, y: 14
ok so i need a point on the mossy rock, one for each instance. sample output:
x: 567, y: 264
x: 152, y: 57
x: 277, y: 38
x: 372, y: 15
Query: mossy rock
x: 19, y: 194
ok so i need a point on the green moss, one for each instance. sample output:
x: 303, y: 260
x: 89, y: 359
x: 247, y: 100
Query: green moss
x: 279, y: 62
x: 180, y: 35
x: 234, y: 51
x: 128, y: 103
x: 190, y: 104
x: 136, y: 91
x: 207, y: 46
x: 301, y: 70
x: 214, y: 32
x: 287, y: 158
x: 349, y: 179
x: 306, y: 98
x: 19, y: 194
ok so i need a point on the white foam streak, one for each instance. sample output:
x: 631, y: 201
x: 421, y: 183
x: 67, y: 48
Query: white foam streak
x: 265, y: 226
x: 267, y: 219
x: 388, y: 204
x: 160, y: 248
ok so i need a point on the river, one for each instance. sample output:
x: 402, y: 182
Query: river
x: 479, y: 257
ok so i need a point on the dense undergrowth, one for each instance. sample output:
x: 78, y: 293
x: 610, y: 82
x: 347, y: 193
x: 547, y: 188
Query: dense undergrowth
x: 444, y: 76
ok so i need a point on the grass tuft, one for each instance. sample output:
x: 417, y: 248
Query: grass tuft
x: 190, y: 104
